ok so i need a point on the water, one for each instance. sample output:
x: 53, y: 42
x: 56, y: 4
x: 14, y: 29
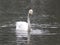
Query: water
x: 44, y: 22
x: 46, y: 36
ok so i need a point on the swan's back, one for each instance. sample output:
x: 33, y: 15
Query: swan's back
x: 22, y: 25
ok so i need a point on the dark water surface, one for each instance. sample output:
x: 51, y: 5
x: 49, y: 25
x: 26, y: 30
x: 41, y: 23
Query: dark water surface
x: 45, y: 18
x: 8, y: 36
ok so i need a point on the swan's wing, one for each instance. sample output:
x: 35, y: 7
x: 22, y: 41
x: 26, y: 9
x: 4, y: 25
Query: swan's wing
x: 22, y: 26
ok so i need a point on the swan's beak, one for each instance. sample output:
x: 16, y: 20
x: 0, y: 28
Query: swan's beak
x: 30, y: 12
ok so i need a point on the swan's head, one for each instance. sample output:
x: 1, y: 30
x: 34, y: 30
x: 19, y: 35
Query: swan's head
x: 31, y: 11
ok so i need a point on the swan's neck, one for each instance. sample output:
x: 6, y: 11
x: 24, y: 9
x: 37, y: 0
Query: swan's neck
x: 28, y: 20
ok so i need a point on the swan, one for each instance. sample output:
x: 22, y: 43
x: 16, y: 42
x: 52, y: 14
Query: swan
x: 23, y: 28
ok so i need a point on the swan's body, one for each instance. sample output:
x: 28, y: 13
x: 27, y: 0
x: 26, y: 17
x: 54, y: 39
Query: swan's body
x: 22, y: 25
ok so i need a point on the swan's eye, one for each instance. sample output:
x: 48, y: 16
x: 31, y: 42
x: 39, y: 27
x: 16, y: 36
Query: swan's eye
x: 31, y: 11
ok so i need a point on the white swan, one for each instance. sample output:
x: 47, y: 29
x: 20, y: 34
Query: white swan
x: 23, y: 28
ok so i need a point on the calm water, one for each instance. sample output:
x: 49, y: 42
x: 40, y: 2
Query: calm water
x: 50, y: 36
x: 45, y: 13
